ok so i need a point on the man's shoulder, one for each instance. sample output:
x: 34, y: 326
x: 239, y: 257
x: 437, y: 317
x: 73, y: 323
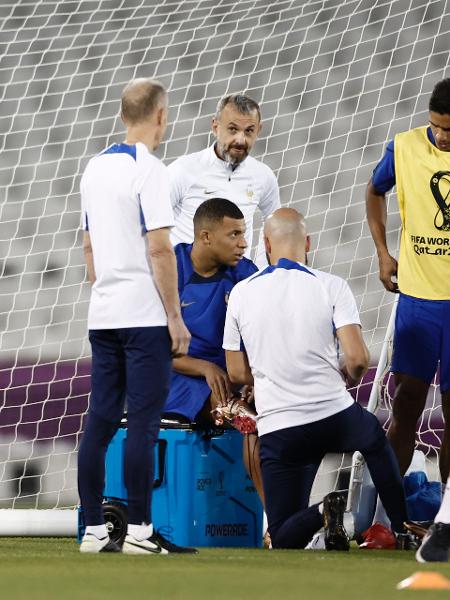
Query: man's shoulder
x: 415, y: 133
x: 190, y: 161
x: 144, y: 156
x: 327, y: 277
x: 257, y: 166
x: 183, y: 251
x: 245, y: 268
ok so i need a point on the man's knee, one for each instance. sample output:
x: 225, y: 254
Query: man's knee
x: 98, y: 430
x: 145, y: 422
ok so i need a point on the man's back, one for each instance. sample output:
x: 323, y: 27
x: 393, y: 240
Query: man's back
x: 287, y: 316
x: 123, y: 191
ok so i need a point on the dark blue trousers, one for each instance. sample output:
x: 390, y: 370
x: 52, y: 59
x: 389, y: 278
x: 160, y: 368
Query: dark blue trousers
x: 132, y: 365
x: 291, y: 457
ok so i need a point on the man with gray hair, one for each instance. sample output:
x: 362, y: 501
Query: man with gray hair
x: 224, y: 170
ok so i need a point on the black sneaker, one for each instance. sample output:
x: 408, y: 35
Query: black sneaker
x: 155, y: 544
x: 435, y: 544
x: 336, y: 538
x: 405, y: 541
x: 172, y: 548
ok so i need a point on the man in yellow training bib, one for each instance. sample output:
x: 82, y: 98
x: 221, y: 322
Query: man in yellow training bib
x: 418, y: 163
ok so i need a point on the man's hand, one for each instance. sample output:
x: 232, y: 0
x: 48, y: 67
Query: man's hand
x: 218, y: 381
x: 248, y: 394
x: 388, y: 269
x: 349, y: 382
x: 180, y: 336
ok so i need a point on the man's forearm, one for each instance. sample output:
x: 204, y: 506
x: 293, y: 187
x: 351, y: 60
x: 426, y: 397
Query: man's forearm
x: 164, y: 268
x: 187, y: 365
x: 376, y: 218
x: 89, y: 257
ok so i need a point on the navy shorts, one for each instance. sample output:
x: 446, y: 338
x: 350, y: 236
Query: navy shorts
x: 422, y: 339
x: 187, y: 395
x: 131, y: 365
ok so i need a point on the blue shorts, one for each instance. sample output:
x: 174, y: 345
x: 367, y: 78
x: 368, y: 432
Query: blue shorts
x: 422, y: 339
x: 187, y: 395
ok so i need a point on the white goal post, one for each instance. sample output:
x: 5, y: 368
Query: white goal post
x: 336, y: 79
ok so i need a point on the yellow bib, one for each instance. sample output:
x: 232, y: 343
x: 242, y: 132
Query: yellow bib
x: 422, y: 174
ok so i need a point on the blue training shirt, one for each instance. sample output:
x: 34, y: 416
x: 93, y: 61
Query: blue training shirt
x: 383, y: 176
x: 204, y: 303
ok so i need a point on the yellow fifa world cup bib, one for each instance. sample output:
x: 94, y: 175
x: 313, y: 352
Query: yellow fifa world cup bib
x: 422, y: 174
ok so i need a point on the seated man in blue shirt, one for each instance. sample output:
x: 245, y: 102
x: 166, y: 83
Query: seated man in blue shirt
x: 208, y: 270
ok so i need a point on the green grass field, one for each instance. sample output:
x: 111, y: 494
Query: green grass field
x: 53, y: 568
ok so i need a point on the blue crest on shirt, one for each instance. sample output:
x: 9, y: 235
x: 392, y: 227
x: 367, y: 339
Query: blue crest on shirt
x: 121, y: 149
x: 283, y: 263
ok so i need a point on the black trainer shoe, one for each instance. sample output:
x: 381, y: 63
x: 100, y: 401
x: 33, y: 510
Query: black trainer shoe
x: 172, y: 548
x: 155, y: 544
x: 336, y: 538
x: 435, y: 545
x: 405, y: 541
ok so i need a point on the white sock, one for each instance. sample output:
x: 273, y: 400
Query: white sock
x: 140, y: 532
x: 349, y: 524
x: 380, y: 515
x: 98, y: 530
x: 443, y: 515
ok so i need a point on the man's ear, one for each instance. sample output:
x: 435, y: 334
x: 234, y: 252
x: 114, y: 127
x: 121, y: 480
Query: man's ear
x: 214, y: 126
x: 308, y: 244
x: 267, y: 245
x: 160, y: 116
x: 205, y: 237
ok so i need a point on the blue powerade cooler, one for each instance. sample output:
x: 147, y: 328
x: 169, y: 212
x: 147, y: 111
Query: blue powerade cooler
x: 202, y: 494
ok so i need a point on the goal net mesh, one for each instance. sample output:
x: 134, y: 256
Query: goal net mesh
x: 336, y: 80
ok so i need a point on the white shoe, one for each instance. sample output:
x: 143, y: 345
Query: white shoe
x: 148, y: 546
x: 92, y: 544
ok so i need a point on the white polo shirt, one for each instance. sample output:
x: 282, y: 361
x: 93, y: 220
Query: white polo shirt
x: 124, y: 194
x: 286, y: 316
x: 197, y: 177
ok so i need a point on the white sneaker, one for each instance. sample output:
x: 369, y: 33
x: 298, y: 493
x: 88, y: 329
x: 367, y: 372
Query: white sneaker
x: 148, y: 546
x: 317, y: 542
x: 92, y: 544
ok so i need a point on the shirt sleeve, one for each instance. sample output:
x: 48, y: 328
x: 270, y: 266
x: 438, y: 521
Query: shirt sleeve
x: 154, y: 198
x: 383, y: 176
x: 345, y: 311
x: 84, y: 215
x: 270, y: 199
x: 244, y: 269
x: 231, y: 334
x: 269, y: 203
x: 177, y: 181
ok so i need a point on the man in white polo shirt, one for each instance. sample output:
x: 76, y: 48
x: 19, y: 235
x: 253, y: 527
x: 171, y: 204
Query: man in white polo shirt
x: 224, y: 170
x: 290, y: 319
x: 135, y: 324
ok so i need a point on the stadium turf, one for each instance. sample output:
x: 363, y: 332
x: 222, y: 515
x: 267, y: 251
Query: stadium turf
x: 32, y: 569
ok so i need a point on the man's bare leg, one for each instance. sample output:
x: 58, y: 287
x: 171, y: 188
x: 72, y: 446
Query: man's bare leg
x: 251, y: 462
x: 444, y: 455
x: 409, y: 402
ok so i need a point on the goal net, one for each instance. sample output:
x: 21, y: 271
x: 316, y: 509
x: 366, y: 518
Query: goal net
x: 336, y: 80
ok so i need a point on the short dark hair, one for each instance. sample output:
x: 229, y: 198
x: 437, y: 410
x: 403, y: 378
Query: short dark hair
x: 214, y: 210
x: 244, y: 104
x: 440, y: 98
x: 140, y: 98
